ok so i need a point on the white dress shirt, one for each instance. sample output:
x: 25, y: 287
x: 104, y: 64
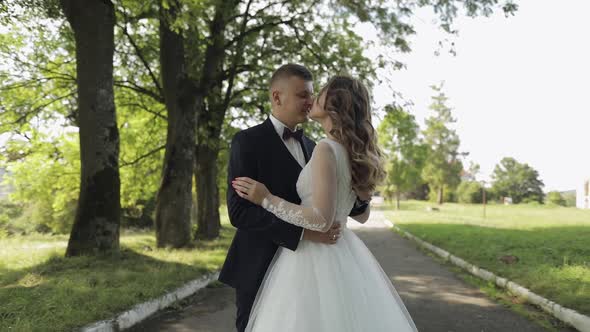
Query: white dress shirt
x: 292, y: 145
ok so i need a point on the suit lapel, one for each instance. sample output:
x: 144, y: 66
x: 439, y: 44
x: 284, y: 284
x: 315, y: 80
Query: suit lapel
x: 306, y: 151
x: 279, y: 144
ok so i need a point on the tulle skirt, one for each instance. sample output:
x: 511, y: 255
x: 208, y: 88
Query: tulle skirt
x: 328, y: 288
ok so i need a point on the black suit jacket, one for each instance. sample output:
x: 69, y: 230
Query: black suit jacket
x: 259, y: 153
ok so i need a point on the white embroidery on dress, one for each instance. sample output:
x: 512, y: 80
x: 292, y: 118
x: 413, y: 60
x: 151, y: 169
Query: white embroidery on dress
x: 293, y: 216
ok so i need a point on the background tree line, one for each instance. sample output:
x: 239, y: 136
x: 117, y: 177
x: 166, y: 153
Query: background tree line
x: 428, y: 164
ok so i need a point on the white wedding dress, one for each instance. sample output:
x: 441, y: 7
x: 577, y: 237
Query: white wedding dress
x: 320, y: 287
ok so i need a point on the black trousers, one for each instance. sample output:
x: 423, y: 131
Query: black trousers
x: 244, y: 301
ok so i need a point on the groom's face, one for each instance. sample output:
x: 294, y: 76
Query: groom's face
x: 296, y: 99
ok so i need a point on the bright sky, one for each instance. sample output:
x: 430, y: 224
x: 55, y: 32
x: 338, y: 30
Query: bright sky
x: 518, y: 86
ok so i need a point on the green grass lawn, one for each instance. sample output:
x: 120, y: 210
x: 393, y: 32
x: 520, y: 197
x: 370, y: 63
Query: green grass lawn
x: 40, y: 290
x: 552, y: 243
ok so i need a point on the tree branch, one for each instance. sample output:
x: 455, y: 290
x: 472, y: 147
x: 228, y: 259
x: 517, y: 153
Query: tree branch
x: 139, y: 54
x: 318, y: 56
x: 134, y: 87
x: 146, y: 109
x: 28, y: 83
x: 138, y: 159
x: 236, y: 59
x: 23, y: 117
x: 255, y: 29
x: 63, y: 76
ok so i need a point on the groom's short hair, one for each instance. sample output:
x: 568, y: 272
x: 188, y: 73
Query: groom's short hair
x: 291, y: 69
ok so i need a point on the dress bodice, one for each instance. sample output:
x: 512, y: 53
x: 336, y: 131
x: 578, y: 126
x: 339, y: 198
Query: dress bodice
x: 345, y: 196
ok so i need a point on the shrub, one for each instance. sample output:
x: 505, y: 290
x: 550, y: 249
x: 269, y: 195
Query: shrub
x: 470, y: 192
x: 8, y: 213
x: 555, y: 197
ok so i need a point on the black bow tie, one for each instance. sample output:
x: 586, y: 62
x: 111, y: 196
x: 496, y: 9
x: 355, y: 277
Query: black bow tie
x: 287, y: 133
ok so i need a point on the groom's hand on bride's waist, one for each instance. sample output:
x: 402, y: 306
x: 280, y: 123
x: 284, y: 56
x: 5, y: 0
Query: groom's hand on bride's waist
x: 329, y: 237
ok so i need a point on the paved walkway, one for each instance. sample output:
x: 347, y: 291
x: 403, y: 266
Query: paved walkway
x: 437, y: 300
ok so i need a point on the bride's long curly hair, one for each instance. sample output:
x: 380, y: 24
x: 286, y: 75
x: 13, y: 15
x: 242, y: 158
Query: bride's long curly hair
x: 348, y: 104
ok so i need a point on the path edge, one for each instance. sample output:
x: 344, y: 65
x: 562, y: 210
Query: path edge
x: 566, y: 315
x: 146, y: 309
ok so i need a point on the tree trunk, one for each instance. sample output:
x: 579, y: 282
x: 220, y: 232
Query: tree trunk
x: 397, y: 200
x: 174, y: 200
x: 210, y: 115
x: 440, y: 195
x: 208, y: 222
x: 96, y: 225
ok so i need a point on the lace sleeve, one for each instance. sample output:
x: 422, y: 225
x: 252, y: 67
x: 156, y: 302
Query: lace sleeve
x: 319, y: 216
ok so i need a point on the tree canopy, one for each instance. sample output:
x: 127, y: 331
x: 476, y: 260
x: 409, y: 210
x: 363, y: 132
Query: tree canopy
x: 517, y: 180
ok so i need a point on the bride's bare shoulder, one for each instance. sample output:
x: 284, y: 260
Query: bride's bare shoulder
x: 324, y: 149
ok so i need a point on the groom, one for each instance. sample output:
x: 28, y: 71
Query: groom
x: 274, y: 153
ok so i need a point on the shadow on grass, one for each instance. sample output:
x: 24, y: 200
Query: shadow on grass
x: 553, y: 262
x: 64, y: 293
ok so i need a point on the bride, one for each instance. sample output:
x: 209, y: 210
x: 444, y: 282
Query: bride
x: 341, y: 287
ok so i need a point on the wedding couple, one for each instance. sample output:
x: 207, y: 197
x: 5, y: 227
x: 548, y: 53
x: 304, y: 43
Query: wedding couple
x: 294, y: 264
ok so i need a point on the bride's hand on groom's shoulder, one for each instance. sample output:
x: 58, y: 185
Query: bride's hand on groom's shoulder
x: 250, y: 189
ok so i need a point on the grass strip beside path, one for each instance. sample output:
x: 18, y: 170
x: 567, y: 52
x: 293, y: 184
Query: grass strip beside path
x: 40, y: 290
x: 552, y: 243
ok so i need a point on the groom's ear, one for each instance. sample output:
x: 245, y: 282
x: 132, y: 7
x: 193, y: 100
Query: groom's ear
x: 276, y: 97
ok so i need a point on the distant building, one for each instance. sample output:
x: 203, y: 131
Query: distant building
x: 583, y: 195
